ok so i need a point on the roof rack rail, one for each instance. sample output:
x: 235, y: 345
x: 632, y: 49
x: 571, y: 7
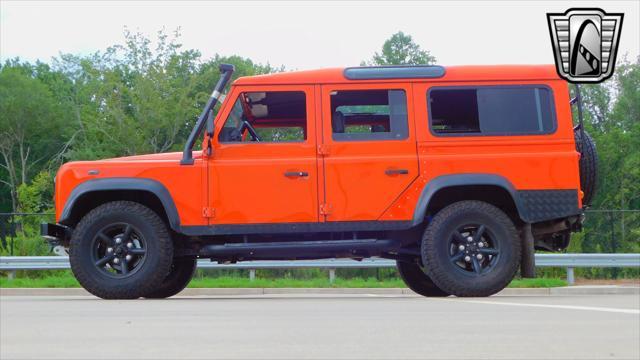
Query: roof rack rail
x: 394, y: 72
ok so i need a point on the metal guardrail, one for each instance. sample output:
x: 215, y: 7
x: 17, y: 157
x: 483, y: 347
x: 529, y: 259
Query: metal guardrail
x: 9, y: 263
x: 568, y: 261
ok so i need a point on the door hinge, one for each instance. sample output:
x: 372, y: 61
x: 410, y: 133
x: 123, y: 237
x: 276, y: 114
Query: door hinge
x: 323, y: 150
x: 209, y: 149
x: 208, y: 212
x: 325, y: 209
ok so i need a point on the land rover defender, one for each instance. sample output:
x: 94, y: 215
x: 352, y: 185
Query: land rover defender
x: 457, y: 173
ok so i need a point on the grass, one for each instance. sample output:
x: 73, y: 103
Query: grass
x: 537, y: 283
x: 68, y: 281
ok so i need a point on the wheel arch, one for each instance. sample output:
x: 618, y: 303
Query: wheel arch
x: 491, y: 188
x: 93, y: 193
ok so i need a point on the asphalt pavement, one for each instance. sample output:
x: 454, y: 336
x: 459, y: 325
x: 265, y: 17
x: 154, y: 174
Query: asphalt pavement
x: 321, y: 326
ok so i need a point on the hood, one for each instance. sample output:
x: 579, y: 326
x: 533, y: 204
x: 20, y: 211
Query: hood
x: 172, y: 156
x: 163, y: 168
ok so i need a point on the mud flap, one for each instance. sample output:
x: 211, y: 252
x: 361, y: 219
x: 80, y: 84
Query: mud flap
x: 528, y: 261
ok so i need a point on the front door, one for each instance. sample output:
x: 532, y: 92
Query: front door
x: 263, y: 169
x: 369, y: 149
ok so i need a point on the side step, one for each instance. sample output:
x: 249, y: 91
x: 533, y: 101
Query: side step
x: 291, y: 250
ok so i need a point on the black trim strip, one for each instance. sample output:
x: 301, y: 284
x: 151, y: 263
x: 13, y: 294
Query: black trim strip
x: 446, y: 181
x: 285, y: 228
x: 543, y: 205
x: 532, y: 205
x: 135, y: 184
x: 300, y: 249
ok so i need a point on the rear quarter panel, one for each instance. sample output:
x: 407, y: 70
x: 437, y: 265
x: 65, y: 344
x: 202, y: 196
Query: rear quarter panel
x: 528, y: 162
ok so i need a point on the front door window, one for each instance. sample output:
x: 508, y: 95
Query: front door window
x: 271, y: 116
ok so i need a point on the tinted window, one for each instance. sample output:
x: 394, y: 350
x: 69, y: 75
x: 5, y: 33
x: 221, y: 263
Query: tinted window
x: 274, y: 116
x: 369, y: 115
x: 491, y: 110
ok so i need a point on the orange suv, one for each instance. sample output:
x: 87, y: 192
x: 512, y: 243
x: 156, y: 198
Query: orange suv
x: 457, y: 173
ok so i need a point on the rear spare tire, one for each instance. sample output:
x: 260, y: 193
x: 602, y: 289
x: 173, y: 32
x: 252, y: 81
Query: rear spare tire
x: 588, y: 166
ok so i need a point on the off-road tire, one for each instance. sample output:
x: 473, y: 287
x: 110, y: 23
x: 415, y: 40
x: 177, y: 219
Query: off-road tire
x: 416, y: 280
x: 436, y: 257
x: 181, y: 272
x: 159, y: 251
x: 588, y: 166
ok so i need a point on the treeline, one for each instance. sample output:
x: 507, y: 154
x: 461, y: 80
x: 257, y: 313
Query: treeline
x: 130, y: 99
x: 144, y: 97
x: 612, y: 117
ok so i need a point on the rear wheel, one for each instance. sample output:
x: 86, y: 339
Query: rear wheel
x: 120, y: 250
x: 416, y: 280
x: 471, y: 248
x: 182, y: 271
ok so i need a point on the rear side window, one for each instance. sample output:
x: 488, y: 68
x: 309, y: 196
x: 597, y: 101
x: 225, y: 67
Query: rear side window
x: 369, y: 115
x: 491, y: 110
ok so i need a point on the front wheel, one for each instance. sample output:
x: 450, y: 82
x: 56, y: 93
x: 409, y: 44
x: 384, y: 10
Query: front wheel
x: 471, y: 248
x: 120, y: 250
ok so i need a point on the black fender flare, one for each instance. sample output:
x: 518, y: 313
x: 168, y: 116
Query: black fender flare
x: 446, y: 181
x: 135, y: 184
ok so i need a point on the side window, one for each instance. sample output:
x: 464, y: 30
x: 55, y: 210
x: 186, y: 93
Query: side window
x: 272, y: 116
x: 491, y: 110
x: 369, y: 115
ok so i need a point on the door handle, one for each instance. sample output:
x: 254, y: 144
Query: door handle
x: 296, y: 174
x: 392, y: 172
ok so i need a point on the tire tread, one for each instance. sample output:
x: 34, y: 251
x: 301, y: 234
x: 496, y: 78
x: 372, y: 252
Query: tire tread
x: 124, y: 291
x: 439, y: 274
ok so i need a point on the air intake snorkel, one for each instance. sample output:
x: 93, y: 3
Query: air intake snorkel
x: 187, y: 155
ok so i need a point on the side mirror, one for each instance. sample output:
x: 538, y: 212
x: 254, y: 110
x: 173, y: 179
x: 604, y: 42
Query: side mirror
x: 210, y: 123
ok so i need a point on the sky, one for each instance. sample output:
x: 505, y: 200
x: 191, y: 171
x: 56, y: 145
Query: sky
x: 303, y: 35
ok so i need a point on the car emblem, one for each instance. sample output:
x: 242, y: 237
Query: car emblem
x: 585, y: 42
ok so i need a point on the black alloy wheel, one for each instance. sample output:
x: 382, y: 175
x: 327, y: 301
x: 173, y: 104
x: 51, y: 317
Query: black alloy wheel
x: 472, y: 249
x: 119, y: 250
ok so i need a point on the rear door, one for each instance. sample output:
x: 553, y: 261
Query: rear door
x: 369, y: 150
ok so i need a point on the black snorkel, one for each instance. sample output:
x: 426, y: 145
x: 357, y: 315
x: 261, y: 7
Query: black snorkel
x: 187, y: 155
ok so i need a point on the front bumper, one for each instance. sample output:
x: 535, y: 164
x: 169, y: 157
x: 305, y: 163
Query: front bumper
x: 55, y: 234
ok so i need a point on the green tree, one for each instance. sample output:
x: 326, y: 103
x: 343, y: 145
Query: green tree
x: 136, y: 98
x: 36, y: 196
x: 612, y: 117
x: 31, y: 123
x: 400, y: 49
